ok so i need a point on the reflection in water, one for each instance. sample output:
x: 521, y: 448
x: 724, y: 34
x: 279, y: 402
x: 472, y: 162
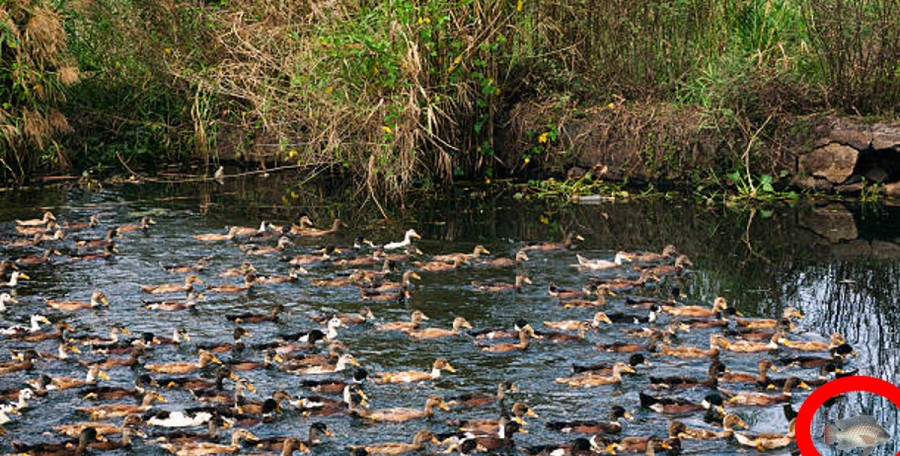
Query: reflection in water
x: 837, y: 266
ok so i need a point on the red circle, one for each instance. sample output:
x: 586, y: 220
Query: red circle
x: 829, y: 390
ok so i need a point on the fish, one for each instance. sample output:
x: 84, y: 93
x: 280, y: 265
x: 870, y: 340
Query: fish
x: 856, y: 432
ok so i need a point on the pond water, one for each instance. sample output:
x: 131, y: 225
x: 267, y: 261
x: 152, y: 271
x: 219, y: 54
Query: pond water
x: 837, y: 264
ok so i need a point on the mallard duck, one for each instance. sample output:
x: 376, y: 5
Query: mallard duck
x: 14, y: 278
x: 243, y: 269
x: 503, y: 438
x: 680, y: 262
x: 315, y: 232
x: 407, y: 240
x: 203, y: 360
x: 620, y: 317
x: 141, y: 383
x: 45, y: 220
x: 293, y: 276
x: 111, y: 233
x: 440, y: 266
x: 131, y: 361
x: 188, y: 285
x: 415, y: 319
x: 128, y: 433
x: 192, y: 383
x: 258, y: 250
x: 599, y: 265
x: 18, y: 331
x: 596, y: 380
x: 566, y: 244
x: 479, y: 250
x: 729, y: 423
x: 744, y: 346
x: 646, y: 445
x: 342, y: 362
x: 244, y: 406
x: 38, y: 259
x: 198, y: 266
x: 505, y: 347
x: 520, y: 258
x: 35, y: 241
x: 614, y: 426
x: 222, y: 396
x: 683, y: 351
x: 835, y: 340
x: 72, y: 430
x: 113, y: 338
x: 572, y: 325
x: 419, y: 440
x: 756, y: 398
x: 6, y: 298
x: 364, y: 315
x: 517, y: 413
x: 173, y: 304
x: 68, y: 447
x: 415, y: 376
x: 237, y: 344
x: 599, y: 301
x: 63, y: 383
x: 497, y: 286
x: 560, y: 337
x: 215, y: 237
x: 97, y: 299
x: 102, y: 412
x: 765, y: 442
x: 627, y: 347
x: 565, y: 293
x: 317, y: 431
x: 333, y: 385
x: 634, y: 360
x: 763, y: 366
x: 146, y: 221
x: 697, y: 311
x: 436, y: 333
x: 92, y: 222
x: 38, y: 336
x: 270, y: 357
x: 368, y: 294
x: 324, y: 406
x: 213, y: 425
x: 649, y: 257
x: 41, y: 229
x: 838, y: 354
x: 768, y: 323
x: 684, y: 381
x: 178, y: 418
x: 480, y: 399
x: 201, y: 448
x: 249, y: 279
x: 501, y: 333
x: 106, y: 254
x: 578, y: 447
x: 256, y: 318
x: 24, y: 362
x: 825, y: 373
x: 678, y: 405
x: 400, y: 414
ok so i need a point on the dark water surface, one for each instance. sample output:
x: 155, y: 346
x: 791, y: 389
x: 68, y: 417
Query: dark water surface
x: 838, y: 265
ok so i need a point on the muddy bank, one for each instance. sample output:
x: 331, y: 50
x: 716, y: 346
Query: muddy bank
x: 662, y: 142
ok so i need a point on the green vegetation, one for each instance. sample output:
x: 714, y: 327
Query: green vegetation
x: 401, y: 93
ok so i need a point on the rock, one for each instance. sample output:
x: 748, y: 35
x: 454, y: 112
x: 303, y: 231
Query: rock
x: 855, y: 137
x: 833, y: 222
x: 886, y: 137
x: 885, y: 250
x: 892, y: 189
x: 833, y: 162
x: 877, y: 174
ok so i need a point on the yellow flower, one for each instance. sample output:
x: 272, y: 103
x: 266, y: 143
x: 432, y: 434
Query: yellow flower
x: 167, y: 50
x: 527, y: 160
x: 329, y: 89
x: 611, y: 105
x: 544, y: 219
x: 487, y: 180
x: 292, y: 153
x: 386, y: 129
x: 519, y: 6
x: 542, y: 138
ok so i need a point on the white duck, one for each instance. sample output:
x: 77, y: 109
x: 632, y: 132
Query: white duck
x: 595, y: 265
x: 407, y: 240
x: 179, y: 418
x: 14, y: 279
x: 17, y: 330
x: 5, y: 299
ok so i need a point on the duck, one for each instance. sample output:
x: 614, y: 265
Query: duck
x: 683, y: 351
x: 14, y: 278
x: 217, y: 237
x: 684, y: 381
x: 368, y: 294
x: 678, y: 429
x: 650, y: 257
x: 93, y: 222
x: 503, y: 438
x: 342, y: 362
x: 364, y: 315
x: 565, y: 293
x: 141, y: 383
x: 317, y: 431
x: 237, y: 344
x: 627, y: 347
x: 128, y: 433
x: 256, y: 318
x: 244, y: 406
x: 17, y: 331
x: 480, y: 399
x: 651, y: 317
x: 270, y: 357
x: 170, y: 305
x: 102, y: 412
x: 38, y: 336
x: 600, y: 265
x: 744, y: 346
x: 677, y: 405
x: 113, y: 338
x: 838, y: 355
x: 45, y: 220
x: 197, y: 267
x: 599, y: 301
x: 178, y: 418
x: 192, y: 383
x: 6, y: 298
x: 146, y: 221
x: 333, y: 385
x: 502, y: 333
x: 72, y: 430
x: 768, y: 323
x: 440, y: 266
x: 763, y: 367
x: 566, y: 244
x: 572, y: 325
x: 436, y: 333
x: 324, y: 406
x: 35, y: 241
x: 355, y: 278
x: 578, y: 447
x: 189, y: 280
x: 63, y: 383
x: 680, y: 262
x: 213, y: 425
x: 416, y: 376
x: 249, y: 279
x: 131, y: 361
x: 496, y: 286
x: 38, y: 259
x: 106, y: 254
x: 204, y: 358
x: 400, y: 414
x: 315, y: 232
x: 479, y: 250
x: 756, y: 398
x: 835, y: 340
x: 258, y: 250
x: 222, y: 396
x: 613, y: 426
x: 24, y: 362
x: 518, y: 412
x: 40, y: 229
x: 719, y: 304
x: 596, y: 380
x: 767, y: 441
x: 418, y: 443
x: 305, y: 259
x: 293, y: 276
x: 518, y: 260
x: 248, y: 231
x: 560, y: 337
x: 464, y: 446
x: 505, y: 347
x: 414, y: 320
x: 97, y: 299
x: 111, y: 233
x: 646, y: 445
x: 407, y: 240
x: 21, y: 400
x: 635, y: 360
x: 202, y: 448
x: 77, y: 446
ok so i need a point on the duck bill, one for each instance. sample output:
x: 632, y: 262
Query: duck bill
x: 450, y: 368
x: 628, y: 416
x: 277, y: 358
x: 451, y: 448
x: 443, y: 406
x: 24, y: 276
x: 250, y: 387
x: 804, y: 386
x: 535, y: 415
x: 103, y: 375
